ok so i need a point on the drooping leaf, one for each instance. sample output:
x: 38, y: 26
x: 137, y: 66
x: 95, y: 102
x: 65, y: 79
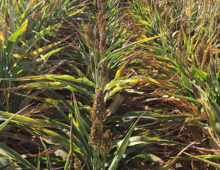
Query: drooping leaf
x: 20, y: 119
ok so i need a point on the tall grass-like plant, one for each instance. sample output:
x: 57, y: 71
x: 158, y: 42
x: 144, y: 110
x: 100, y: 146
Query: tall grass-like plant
x: 189, y: 49
x: 103, y: 48
x: 25, y: 37
x: 109, y: 85
x: 25, y: 44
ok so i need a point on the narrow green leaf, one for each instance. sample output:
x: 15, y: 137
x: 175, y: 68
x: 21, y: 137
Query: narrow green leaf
x: 151, y: 157
x: 216, y: 165
x: 47, y: 55
x: 132, y: 45
x: 5, y: 123
x: 38, y: 36
x: 75, y: 12
x: 79, y: 119
x: 183, y: 97
x: 135, y: 140
x: 186, y: 82
x: 122, y: 148
x: 22, y: 119
x: 69, y: 156
x: 59, y: 85
x: 13, y: 38
x: 55, y: 136
x: 209, y: 156
x: 201, y: 74
x: 45, y: 48
x: 14, y: 155
x: 83, y: 80
x: 152, y: 115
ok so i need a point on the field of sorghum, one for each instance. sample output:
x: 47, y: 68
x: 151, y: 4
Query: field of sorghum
x: 110, y: 84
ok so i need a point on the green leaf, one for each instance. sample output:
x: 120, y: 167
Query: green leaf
x: 184, y: 97
x: 113, y: 91
x: 150, y: 115
x: 186, y: 82
x: 75, y: 12
x: 216, y: 109
x: 30, y: 43
x: 19, y: 119
x: 83, y: 80
x: 80, y: 141
x: 79, y: 119
x: 132, y: 45
x: 59, y: 85
x: 56, y: 136
x: 209, y: 156
x: 4, y: 150
x: 216, y: 116
x: 69, y: 156
x: 45, y: 48
x: 47, y: 55
x: 5, y: 163
x: 122, y: 148
x: 216, y: 165
x: 201, y: 74
x: 4, y: 124
x: 136, y: 140
x: 151, y: 157
x: 112, y: 84
x: 13, y: 38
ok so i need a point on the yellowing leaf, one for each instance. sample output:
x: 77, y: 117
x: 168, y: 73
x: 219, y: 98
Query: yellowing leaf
x: 19, y: 32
